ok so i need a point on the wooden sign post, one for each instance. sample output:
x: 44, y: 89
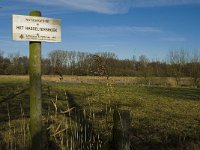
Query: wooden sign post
x: 35, y: 92
x: 34, y: 28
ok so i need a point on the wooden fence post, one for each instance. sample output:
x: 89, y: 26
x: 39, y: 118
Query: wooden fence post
x: 35, y: 92
x: 121, y: 139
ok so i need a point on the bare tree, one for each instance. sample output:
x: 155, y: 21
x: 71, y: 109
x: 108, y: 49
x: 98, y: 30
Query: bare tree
x: 58, y: 59
x: 195, y: 68
x: 145, y: 68
x: 178, y: 59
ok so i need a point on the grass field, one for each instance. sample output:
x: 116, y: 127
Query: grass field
x: 162, y: 117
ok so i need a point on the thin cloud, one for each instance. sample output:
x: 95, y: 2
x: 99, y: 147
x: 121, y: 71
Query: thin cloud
x: 5, y: 39
x: 6, y: 11
x: 112, y: 6
x: 155, y: 3
x: 174, y: 39
x: 108, y: 45
x: 100, y: 6
x: 113, y: 29
x: 14, y: 8
x: 4, y: 14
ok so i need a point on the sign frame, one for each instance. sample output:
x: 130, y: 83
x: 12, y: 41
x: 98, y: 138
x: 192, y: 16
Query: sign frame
x: 35, y: 28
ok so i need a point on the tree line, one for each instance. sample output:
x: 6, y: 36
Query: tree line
x: 178, y: 63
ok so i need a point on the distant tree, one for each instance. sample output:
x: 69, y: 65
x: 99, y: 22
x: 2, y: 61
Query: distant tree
x: 46, y: 66
x: 82, y: 63
x: 58, y: 60
x: 97, y: 66
x: 143, y: 64
x: 1, y: 62
x: 178, y: 59
x: 103, y: 64
x: 18, y: 65
x: 5, y: 66
x: 72, y: 61
x: 195, y: 68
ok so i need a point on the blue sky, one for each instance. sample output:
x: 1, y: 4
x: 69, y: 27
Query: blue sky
x: 125, y: 27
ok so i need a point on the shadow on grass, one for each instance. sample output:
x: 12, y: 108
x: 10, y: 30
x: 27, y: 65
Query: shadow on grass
x: 176, y: 93
x: 168, y: 142
x: 79, y: 115
x: 14, y: 107
x: 12, y: 96
x: 13, y: 101
x: 2, y: 144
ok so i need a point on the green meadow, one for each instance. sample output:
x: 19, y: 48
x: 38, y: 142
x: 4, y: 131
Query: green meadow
x: 161, y: 117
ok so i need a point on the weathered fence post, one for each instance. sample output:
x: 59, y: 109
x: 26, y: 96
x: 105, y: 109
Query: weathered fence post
x: 35, y: 92
x: 121, y: 139
x: 34, y: 28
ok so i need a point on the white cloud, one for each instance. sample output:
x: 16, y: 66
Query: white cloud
x: 4, y: 14
x: 7, y: 10
x: 175, y: 39
x: 113, y: 6
x: 108, y: 45
x: 100, y: 6
x: 113, y: 29
x: 153, y: 3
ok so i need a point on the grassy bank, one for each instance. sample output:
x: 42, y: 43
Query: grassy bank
x: 162, y: 117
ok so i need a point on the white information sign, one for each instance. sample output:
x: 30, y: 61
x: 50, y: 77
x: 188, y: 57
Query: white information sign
x: 31, y: 28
